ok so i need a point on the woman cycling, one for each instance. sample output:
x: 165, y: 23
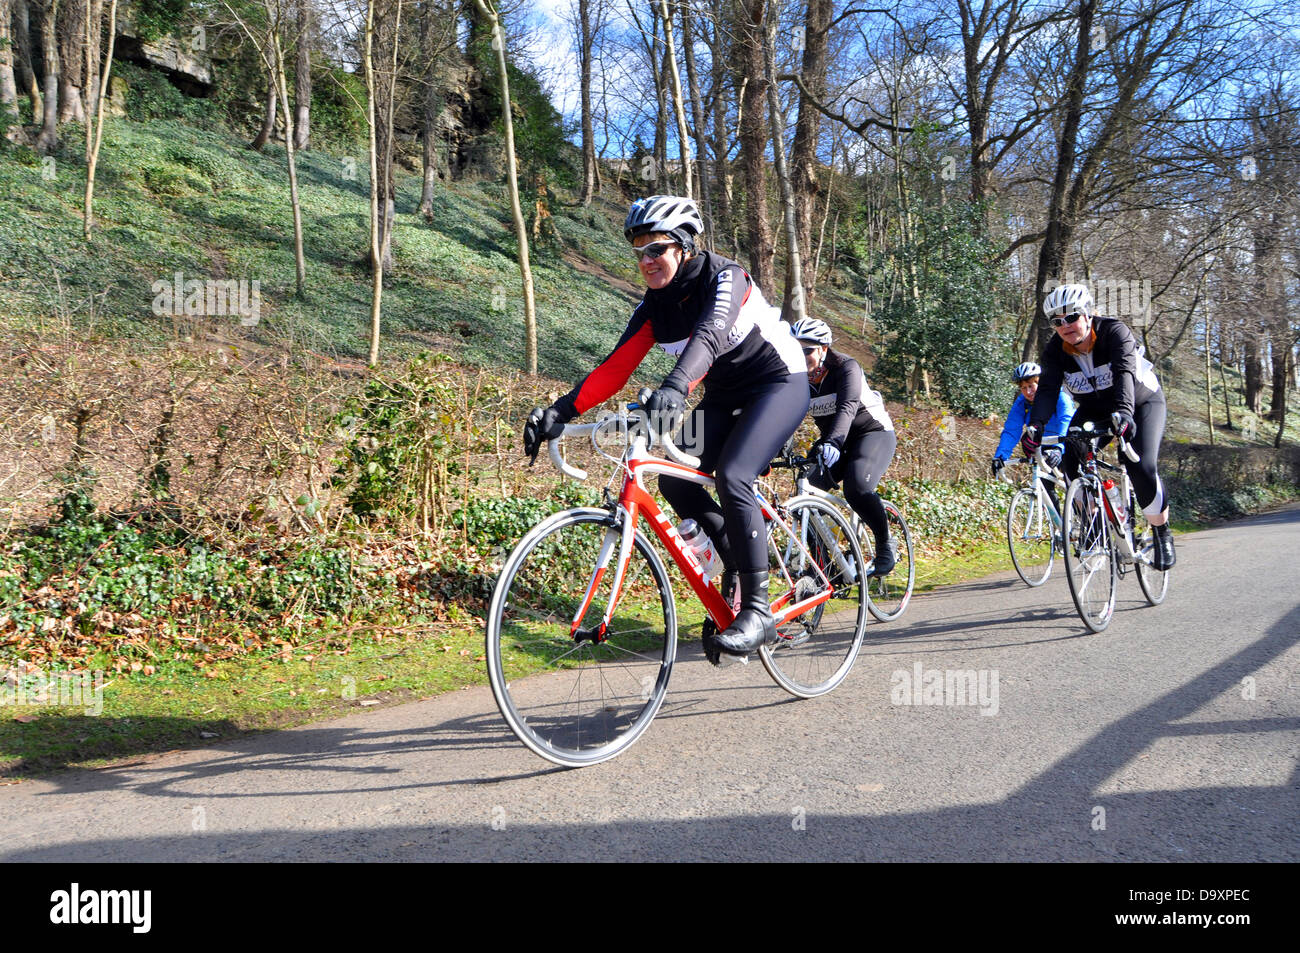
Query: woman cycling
x: 1097, y: 361
x: 707, y: 310
x: 1026, y: 378
x: 857, y: 435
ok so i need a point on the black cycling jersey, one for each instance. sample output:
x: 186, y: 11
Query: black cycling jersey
x: 842, y: 405
x: 713, y: 316
x: 1112, y: 377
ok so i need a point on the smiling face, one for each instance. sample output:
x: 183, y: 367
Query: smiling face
x: 1074, y: 334
x: 1029, y: 388
x: 658, y: 272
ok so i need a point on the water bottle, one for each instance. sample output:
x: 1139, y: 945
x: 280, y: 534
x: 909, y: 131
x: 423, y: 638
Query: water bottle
x: 1113, y: 497
x: 698, y: 542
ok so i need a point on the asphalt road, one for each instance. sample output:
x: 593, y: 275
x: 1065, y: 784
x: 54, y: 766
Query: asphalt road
x: 1172, y: 736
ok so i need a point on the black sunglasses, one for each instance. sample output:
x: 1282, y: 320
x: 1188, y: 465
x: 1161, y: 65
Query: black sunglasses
x: 1061, y: 320
x: 809, y: 350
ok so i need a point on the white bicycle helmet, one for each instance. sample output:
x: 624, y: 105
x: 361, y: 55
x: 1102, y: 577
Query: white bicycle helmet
x: 676, y: 216
x: 810, y: 329
x: 1068, y: 299
x: 1026, y: 370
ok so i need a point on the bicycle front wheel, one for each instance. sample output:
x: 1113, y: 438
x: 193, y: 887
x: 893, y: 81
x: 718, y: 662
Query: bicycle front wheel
x: 573, y: 690
x: 888, y: 595
x: 815, y: 651
x: 1089, y: 557
x: 1031, y: 536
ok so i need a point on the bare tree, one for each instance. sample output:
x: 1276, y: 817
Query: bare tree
x: 792, y: 307
x: 753, y: 141
x: 270, y: 46
x: 521, y: 232
x: 72, y: 18
x: 47, y: 140
x: 302, y: 73
x: 13, y: 130
x: 803, y: 151
x: 675, y: 86
x: 588, y: 26
x: 95, y: 117
x: 22, y: 41
x: 697, y: 114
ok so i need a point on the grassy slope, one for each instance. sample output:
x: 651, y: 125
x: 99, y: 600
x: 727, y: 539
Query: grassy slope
x: 173, y: 198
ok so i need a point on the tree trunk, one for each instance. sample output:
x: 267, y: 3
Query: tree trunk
x: 268, y: 123
x: 302, y: 77
x: 48, y: 139
x: 521, y: 231
x: 585, y: 43
x: 431, y: 103
x: 10, y: 120
x: 803, y: 153
x: 72, y: 27
x: 23, y: 57
x: 753, y: 146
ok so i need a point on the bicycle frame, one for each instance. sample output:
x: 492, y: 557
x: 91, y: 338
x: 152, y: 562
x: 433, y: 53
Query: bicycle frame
x: 635, y: 500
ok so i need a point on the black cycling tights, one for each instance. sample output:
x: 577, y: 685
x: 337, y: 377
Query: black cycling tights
x: 861, y: 466
x: 1147, y: 486
x: 736, y: 448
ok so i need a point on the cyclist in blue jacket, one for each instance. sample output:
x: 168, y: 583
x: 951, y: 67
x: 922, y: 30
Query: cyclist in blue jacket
x: 1026, y: 378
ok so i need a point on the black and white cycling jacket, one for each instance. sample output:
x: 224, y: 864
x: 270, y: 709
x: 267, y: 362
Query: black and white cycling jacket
x: 843, y: 405
x: 714, y: 318
x: 1113, y: 376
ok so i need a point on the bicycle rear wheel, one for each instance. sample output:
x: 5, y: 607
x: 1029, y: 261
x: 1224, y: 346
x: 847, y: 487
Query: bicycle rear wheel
x: 572, y: 693
x: 1031, y: 536
x: 815, y: 651
x: 888, y: 596
x: 1089, y: 557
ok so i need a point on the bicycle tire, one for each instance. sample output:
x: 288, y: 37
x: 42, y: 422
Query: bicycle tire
x: 1154, y: 582
x: 1089, y: 554
x: 889, y: 595
x: 815, y: 651
x: 1030, y: 531
x: 578, y: 702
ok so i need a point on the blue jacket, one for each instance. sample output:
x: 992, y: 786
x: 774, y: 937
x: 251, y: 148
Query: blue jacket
x: 1018, y: 416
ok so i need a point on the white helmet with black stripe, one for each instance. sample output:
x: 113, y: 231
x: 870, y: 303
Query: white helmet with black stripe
x: 676, y: 216
x: 1068, y: 299
x: 811, y: 329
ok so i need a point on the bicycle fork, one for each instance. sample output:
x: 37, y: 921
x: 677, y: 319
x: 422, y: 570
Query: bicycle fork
x: 602, y: 563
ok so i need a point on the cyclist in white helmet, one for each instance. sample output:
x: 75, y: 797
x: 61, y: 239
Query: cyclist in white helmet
x: 706, y: 310
x: 857, y: 434
x: 1026, y: 377
x: 1097, y: 360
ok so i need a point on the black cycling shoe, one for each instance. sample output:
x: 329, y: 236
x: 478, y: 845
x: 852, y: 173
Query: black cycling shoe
x: 754, y: 626
x: 1162, y: 553
x: 884, y: 562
